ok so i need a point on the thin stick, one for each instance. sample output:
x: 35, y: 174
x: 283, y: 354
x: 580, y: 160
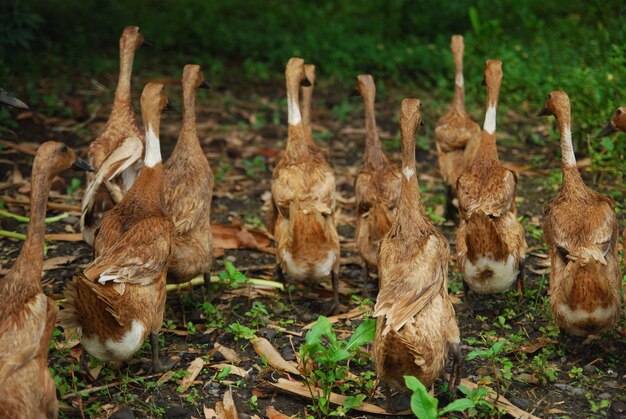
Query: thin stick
x: 199, y: 280
x: 51, y: 205
x: 104, y: 387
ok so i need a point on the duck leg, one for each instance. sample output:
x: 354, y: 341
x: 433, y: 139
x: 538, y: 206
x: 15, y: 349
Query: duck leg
x: 84, y: 364
x: 365, y: 273
x: 208, y: 293
x: 334, y: 276
x: 520, y: 280
x: 279, y: 273
x: 157, y: 364
x: 457, y: 367
x: 451, y: 212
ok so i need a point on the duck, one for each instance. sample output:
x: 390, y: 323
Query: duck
x: 491, y: 247
x: 581, y: 229
x: 303, y: 194
x: 118, y: 149
x: 416, y: 323
x: 118, y: 299
x: 27, y: 316
x: 7, y: 99
x: 188, y: 189
x: 457, y: 136
x: 306, y: 92
x: 616, y: 123
x: 377, y: 185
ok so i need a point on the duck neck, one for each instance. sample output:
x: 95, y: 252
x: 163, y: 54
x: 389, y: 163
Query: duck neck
x: 296, y: 141
x: 459, y: 85
x: 410, y: 217
x: 374, y: 155
x: 152, y: 155
x: 568, y: 159
x: 188, y: 134
x: 122, y: 93
x: 32, y: 252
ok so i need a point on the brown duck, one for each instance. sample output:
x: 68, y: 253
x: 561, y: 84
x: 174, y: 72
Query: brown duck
x: 457, y: 135
x: 416, y: 323
x: 116, y: 153
x: 303, y: 193
x: 377, y: 185
x: 581, y: 231
x: 490, y: 241
x: 188, y: 192
x: 27, y: 316
x: 118, y: 300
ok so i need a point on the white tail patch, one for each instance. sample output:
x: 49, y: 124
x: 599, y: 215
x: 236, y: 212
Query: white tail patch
x: 116, y: 351
x: 566, y: 147
x: 408, y: 172
x: 504, y: 274
x: 459, y: 80
x: 153, y: 148
x: 293, y: 111
x: 490, y: 119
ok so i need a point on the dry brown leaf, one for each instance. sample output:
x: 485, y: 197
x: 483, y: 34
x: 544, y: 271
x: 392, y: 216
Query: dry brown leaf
x: 230, y: 409
x: 500, y: 401
x: 229, y: 354
x: 538, y: 344
x: 209, y: 413
x: 233, y: 236
x: 272, y: 413
x: 194, y: 370
x: 233, y: 369
x: 300, y: 389
x: 352, y: 314
x: 57, y: 262
x: 165, y: 377
x: 264, y: 348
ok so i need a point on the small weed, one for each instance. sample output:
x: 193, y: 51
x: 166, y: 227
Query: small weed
x: 231, y: 276
x: 255, y: 166
x: 425, y: 406
x: 74, y: 185
x: 240, y: 331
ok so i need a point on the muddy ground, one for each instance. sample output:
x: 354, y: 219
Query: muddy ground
x: 241, y: 130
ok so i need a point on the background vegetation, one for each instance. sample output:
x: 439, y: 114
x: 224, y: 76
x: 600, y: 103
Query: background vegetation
x: 576, y: 46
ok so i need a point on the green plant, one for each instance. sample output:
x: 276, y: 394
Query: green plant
x: 500, y: 365
x: 255, y: 166
x: 425, y: 406
x: 258, y: 314
x: 74, y: 185
x: 240, y: 331
x: 324, y: 362
x: 482, y: 407
x: 231, y: 276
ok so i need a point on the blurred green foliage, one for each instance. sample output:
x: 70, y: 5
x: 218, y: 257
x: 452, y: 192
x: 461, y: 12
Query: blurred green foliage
x: 576, y: 46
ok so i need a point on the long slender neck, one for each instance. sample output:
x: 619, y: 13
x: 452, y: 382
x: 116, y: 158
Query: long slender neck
x: 152, y: 155
x: 188, y: 133
x: 488, y: 142
x: 459, y: 89
x: 296, y: 140
x: 122, y: 93
x: 373, y: 152
x: 410, y: 217
x: 568, y: 159
x: 32, y: 252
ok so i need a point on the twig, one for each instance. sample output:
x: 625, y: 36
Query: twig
x: 199, y: 280
x: 51, y: 205
x: 23, y: 219
x: 104, y: 387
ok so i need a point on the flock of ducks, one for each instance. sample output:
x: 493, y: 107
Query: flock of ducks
x: 149, y: 224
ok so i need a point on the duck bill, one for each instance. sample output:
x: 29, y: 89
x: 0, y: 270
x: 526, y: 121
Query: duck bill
x: 80, y: 164
x: 12, y: 101
x: 205, y: 85
x: 148, y: 43
x: 607, y: 130
x: 543, y: 112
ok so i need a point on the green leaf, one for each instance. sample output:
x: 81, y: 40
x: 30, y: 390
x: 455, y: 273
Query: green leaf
x: 608, y: 144
x: 474, y: 19
x: 459, y: 405
x: 320, y: 328
x: 353, y: 401
x: 477, y: 353
x: 363, y: 334
x: 339, y: 355
x: 223, y: 373
x: 423, y: 405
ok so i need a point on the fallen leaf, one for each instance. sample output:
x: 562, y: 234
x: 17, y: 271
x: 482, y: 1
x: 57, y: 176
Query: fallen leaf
x: 209, y: 413
x: 165, y: 377
x: 527, y: 378
x: 352, y: 314
x: 300, y: 389
x: 234, y: 236
x: 229, y: 354
x: 272, y: 413
x: 233, y: 369
x: 57, y: 262
x: 194, y: 370
x: 541, y: 342
x: 227, y: 408
x: 265, y: 349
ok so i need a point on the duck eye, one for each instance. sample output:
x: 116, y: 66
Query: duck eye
x: 138, y: 30
x: 618, y: 111
x: 65, y: 149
